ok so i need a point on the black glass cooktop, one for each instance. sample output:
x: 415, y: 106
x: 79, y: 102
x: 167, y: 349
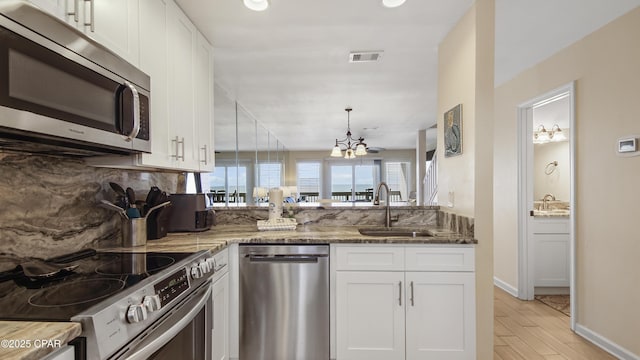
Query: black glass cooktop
x: 60, y: 296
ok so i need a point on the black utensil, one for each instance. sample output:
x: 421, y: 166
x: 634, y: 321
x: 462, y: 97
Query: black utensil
x: 122, y: 200
x: 152, y: 196
x: 131, y: 196
x: 117, y: 188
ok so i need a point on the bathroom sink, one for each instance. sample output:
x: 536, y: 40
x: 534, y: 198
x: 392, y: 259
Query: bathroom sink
x: 382, y: 232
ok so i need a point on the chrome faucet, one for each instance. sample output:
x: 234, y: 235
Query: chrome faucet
x: 376, y: 201
x: 545, y: 201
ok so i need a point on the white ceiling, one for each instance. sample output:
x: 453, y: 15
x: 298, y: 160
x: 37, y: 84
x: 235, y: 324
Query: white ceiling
x: 288, y: 66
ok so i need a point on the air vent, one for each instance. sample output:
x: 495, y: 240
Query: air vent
x: 365, y: 56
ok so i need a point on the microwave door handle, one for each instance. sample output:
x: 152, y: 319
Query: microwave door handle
x: 136, y: 112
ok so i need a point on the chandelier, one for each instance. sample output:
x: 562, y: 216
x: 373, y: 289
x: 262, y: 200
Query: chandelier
x: 349, y: 145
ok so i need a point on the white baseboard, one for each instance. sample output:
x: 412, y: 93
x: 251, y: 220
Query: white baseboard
x: 506, y: 287
x: 606, y: 344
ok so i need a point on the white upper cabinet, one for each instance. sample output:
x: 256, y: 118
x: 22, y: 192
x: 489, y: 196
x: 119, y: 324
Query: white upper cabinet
x: 55, y: 7
x: 112, y: 23
x: 179, y: 61
x: 203, y: 87
x: 153, y: 61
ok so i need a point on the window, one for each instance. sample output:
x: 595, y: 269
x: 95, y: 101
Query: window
x: 397, y: 177
x: 354, y: 182
x: 308, y: 180
x: 226, y: 184
x: 269, y: 175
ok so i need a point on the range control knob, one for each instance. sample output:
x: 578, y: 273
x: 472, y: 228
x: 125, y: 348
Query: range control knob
x: 136, y: 313
x: 204, y: 266
x: 212, y: 263
x: 196, y: 272
x: 152, y: 303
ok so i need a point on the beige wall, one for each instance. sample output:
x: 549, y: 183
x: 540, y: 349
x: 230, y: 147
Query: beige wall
x: 466, y: 76
x: 605, y: 66
x: 456, y: 85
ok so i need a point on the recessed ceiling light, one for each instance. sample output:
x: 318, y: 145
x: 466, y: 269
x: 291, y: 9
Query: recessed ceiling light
x: 256, y: 5
x: 392, y: 3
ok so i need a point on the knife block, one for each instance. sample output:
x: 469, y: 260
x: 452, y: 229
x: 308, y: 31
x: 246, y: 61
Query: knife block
x: 158, y: 224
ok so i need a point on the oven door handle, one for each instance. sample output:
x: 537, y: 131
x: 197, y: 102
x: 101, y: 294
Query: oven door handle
x: 156, y: 343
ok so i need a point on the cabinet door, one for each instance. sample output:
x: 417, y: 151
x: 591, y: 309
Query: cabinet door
x: 370, y: 315
x: 203, y: 83
x: 181, y: 47
x: 220, y: 333
x: 551, y: 265
x: 55, y: 7
x: 112, y: 23
x: 440, y: 315
x: 153, y: 61
x: 67, y: 352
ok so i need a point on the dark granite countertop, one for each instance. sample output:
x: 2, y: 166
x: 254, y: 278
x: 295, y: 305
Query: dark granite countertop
x: 220, y: 237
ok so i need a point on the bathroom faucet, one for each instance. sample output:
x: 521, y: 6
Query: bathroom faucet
x: 545, y: 201
x: 376, y: 201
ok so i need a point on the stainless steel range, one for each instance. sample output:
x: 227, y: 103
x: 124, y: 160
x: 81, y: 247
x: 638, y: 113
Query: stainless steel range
x: 130, y: 305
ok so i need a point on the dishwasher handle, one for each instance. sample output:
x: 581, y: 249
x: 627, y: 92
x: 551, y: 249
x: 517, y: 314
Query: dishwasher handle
x: 284, y: 258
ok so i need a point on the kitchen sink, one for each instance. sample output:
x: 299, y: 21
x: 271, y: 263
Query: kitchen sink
x: 384, y: 231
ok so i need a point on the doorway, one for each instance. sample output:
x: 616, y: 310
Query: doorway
x: 546, y: 196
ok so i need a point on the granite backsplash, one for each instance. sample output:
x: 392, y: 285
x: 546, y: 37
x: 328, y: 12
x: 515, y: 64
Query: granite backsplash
x: 347, y: 216
x: 48, y: 205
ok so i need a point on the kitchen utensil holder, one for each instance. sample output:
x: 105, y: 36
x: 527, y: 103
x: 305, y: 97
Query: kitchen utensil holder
x: 134, y: 232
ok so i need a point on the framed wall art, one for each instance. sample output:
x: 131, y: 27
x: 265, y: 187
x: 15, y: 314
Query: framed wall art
x: 453, y: 131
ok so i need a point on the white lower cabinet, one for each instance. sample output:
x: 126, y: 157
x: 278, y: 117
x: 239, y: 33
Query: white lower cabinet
x: 440, y: 316
x: 408, y: 313
x: 551, y: 239
x: 370, y: 315
x: 66, y: 352
x: 220, y: 333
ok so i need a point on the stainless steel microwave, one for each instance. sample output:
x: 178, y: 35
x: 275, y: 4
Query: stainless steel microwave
x: 63, y: 93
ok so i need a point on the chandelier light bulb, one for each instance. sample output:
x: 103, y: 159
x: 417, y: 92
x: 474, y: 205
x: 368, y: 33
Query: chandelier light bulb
x: 336, y: 152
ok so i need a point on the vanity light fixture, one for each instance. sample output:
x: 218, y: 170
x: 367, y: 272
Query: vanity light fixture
x: 557, y: 134
x: 542, y: 135
x: 351, y: 147
x: 392, y: 3
x: 256, y: 5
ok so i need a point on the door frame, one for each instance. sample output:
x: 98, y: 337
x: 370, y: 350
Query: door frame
x: 525, y: 198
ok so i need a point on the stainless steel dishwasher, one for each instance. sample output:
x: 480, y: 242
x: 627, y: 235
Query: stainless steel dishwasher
x: 284, y: 302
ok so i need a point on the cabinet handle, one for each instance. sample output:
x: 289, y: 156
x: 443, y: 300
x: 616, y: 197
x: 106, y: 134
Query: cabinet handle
x: 182, y: 157
x: 204, y: 148
x: 92, y: 16
x: 400, y: 293
x: 412, y: 303
x: 177, y: 141
x: 76, y: 3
